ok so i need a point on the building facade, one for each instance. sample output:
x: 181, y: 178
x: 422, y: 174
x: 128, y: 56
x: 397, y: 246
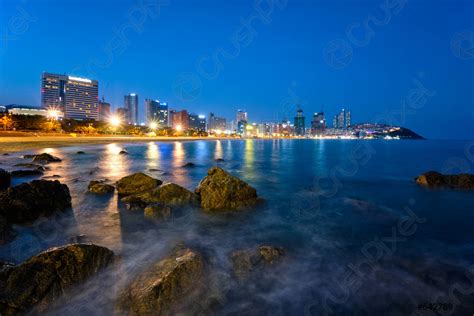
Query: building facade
x: 300, y: 129
x: 342, y: 120
x: 17, y: 109
x: 216, y: 123
x: 104, y: 110
x: 318, y: 124
x: 181, y: 120
x: 197, y: 122
x: 156, y: 111
x: 130, y: 103
x: 77, y: 98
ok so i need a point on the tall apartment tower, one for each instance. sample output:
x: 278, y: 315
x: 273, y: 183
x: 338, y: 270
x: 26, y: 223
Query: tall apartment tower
x: 77, y: 98
x: 299, y: 123
x: 131, y: 104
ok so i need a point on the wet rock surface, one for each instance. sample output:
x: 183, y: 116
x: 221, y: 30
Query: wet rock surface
x: 6, y: 233
x: 42, y: 279
x: 28, y: 201
x: 100, y: 187
x: 220, y: 191
x: 433, y: 179
x: 169, y: 194
x: 45, y: 158
x: 158, y: 212
x: 5, y: 179
x: 246, y: 261
x: 136, y: 183
x: 26, y: 173
x: 163, y: 285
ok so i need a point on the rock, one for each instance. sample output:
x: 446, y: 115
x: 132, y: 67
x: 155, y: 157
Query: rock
x: 5, y: 231
x: 219, y: 160
x: 188, y: 165
x: 54, y: 176
x: 30, y: 166
x: 219, y: 191
x: 123, y: 152
x: 157, y: 212
x: 169, y: 194
x: 42, y: 279
x: 77, y: 239
x: 435, y: 179
x: 154, y: 170
x: 26, y: 173
x: 45, y: 158
x: 162, y: 286
x: 136, y: 183
x: 6, y: 154
x: 246, y: 261
x: 5, y: 179
x: 28, y: 201
x: 100, y: 187
x: 81, y: 153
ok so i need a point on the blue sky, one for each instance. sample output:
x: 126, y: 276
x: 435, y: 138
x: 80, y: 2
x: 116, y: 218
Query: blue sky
x: 413, y: 65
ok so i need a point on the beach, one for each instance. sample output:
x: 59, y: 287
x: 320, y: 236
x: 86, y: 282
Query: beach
x: 19, y: 142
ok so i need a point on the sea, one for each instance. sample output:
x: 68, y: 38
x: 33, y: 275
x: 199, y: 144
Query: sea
x: 360, y: 236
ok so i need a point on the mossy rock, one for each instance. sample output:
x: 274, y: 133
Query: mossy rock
x: 136, y: 183
x: 169, y: 194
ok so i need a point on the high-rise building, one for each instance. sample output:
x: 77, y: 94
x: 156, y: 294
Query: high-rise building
x: 104, y: 110
x: 131, y: 104
x: 197, y: 122
x: 77, y: 98
x: 216, y: 123
x: 342, y: 120
x: 122, y: 113
x: 299, y: 123
x: 181, y: 120
x: 156, y: 111
x: 242, y: 116
x: 318, y: 124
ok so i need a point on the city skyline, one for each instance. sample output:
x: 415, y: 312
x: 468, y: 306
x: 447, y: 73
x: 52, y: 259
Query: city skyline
x: 415, y: 88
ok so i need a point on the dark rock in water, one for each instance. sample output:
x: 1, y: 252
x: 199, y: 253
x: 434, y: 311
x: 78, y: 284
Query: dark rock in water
x: 158, y: 212
x: 5, y: 179
x: 6, y: 233
x: 169, y: 194
x: 100, y: 187
x: 219, y: 160
x: 246, y: 261
x: 5, y: 266
x: 154, y: 170
x: 81, y: 153
x: 123, y: 152
x: 42, y: 279
x: 136, y: 183
x: 26, y: 173
x: 6, y: 154
x: 164, y: 285
x: 28, y: 201
x: 45, y: 158
x: 54, y: 176
x: 77, y: 239
x: 30, y: 166
x: 435, y: 179
x: 219, y: 191
x: 188, y: 165
x: 28, y: 156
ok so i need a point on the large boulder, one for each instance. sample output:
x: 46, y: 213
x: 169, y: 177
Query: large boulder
x: 5, y: 179
x: 222, y: 191
x: 246, y: 261
x: 157, y: 290
x: 28, y: 201
x: 169, y: 194
x: 42, y: 279
x: 45, y: 158
x: 435, y: 179
x: 136, y: 183
x: 26, y: 173
x: 100, y: 187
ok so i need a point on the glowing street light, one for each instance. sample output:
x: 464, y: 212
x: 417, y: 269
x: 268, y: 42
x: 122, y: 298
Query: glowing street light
x: 179, y: 128
x: 115, y: 121
x: 153, y: 125
x: 53, y: 113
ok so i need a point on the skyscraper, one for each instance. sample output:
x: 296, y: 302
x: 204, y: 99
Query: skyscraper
x: 156, y: 111
x: 131, y: 104
x: 299, y: 123
x: 242, y: 120
x: 318, y: 124
x: 181, y: 120
x: 342, y: 120
x: 77, y: 98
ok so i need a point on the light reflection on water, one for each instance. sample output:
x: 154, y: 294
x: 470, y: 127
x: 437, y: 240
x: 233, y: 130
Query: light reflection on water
x: 322, y: 235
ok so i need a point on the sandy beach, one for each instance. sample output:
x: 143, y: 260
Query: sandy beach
x: 9, y: 144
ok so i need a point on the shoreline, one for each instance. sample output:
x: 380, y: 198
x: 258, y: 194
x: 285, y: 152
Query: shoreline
x: 12, y: 144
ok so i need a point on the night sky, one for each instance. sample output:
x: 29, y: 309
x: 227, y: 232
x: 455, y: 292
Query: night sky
x: 412, y: 66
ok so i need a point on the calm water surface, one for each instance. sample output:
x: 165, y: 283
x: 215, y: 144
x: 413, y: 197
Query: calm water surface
x: 361, y: 236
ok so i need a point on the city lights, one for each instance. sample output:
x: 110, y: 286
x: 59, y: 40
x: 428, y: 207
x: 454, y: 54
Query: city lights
x: 153, y: 125
x: 179, y: 128
x: 53, y: 113
x: 115, y: 121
